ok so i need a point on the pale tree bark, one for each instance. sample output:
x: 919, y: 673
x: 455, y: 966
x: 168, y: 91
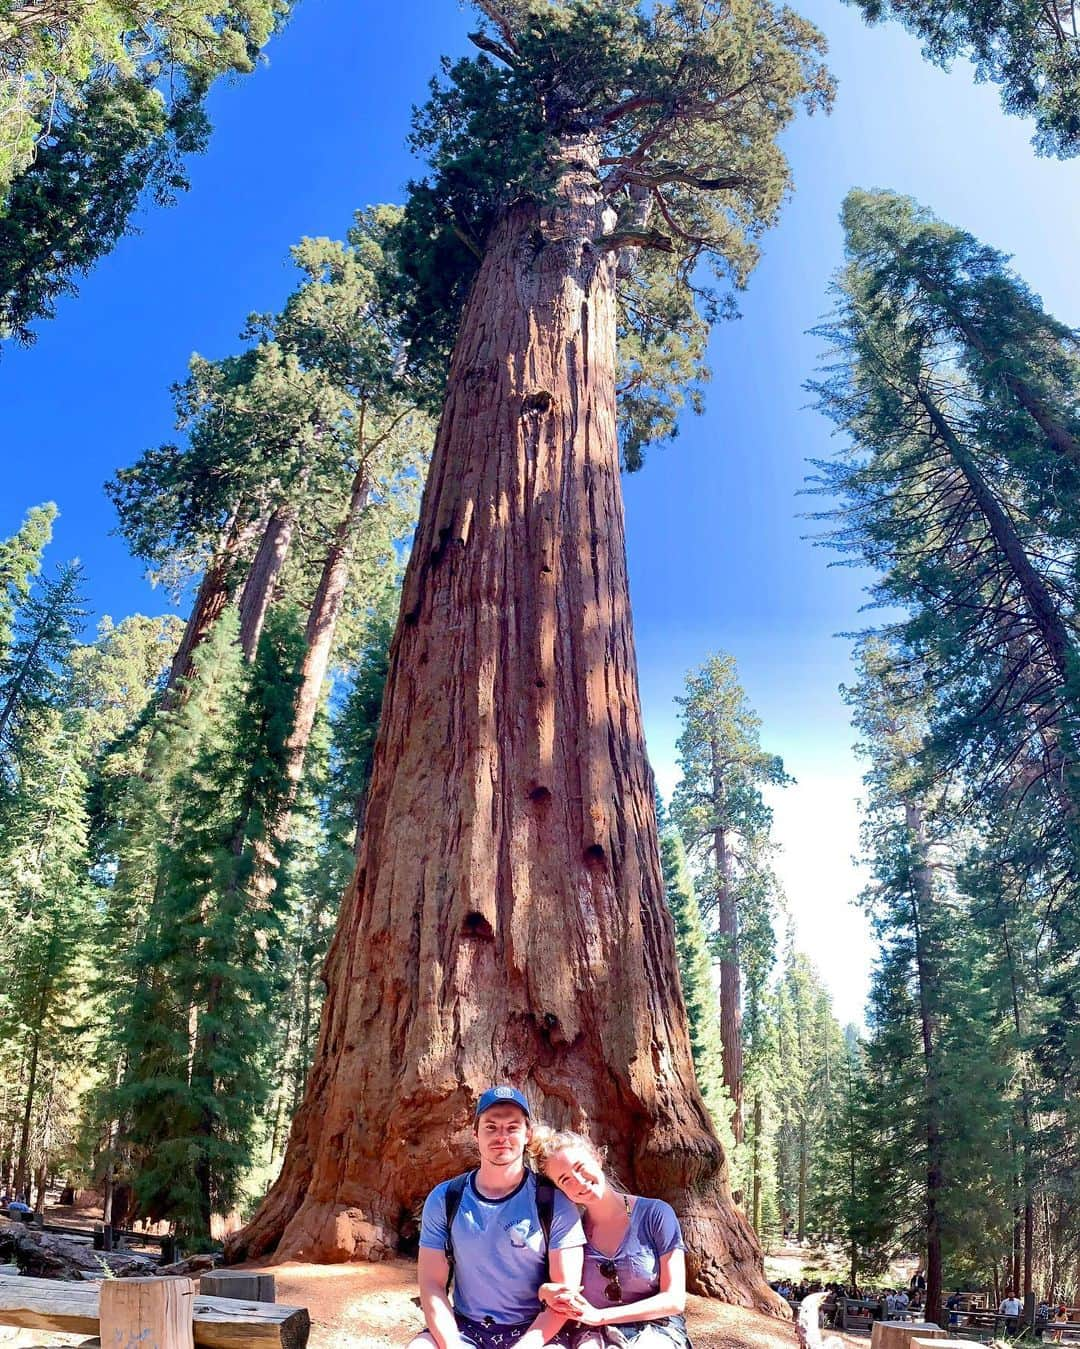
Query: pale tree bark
x: 727, y: 927
x: 211, y: 601
x: 322, y: 625
x: 266, y: 567
x: 506, y: 921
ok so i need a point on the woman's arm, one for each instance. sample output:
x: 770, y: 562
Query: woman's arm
x: 669, y: 1301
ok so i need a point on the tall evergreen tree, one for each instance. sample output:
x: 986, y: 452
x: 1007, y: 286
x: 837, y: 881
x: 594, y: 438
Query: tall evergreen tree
x: 616, y: 129
x: 20, y: 563
x: 195, y: 1075
x: 100, y: 104
x: 1030, y: 51
x: 695, y: 975
x: 723, y: 818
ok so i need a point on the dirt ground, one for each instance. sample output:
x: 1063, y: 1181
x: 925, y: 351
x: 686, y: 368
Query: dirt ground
x: 372, y: 1307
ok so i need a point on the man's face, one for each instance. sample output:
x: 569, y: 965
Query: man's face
x: 501, y: 1135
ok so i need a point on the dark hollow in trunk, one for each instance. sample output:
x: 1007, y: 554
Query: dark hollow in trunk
x: 507, y: 921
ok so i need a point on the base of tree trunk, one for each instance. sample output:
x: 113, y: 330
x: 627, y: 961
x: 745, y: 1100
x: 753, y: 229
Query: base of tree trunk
x: 724, y: 1258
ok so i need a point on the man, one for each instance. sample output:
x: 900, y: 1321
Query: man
x: 1011, y: 1306
x: 497, y: 1242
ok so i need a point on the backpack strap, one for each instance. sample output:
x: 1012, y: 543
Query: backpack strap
x: 452, y: 1200
x: 545, y: 1211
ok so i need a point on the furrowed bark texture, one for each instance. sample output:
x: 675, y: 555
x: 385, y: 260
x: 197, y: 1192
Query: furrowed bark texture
x: 266, y: 569
x: 506, y: 921
x: 211, y: 601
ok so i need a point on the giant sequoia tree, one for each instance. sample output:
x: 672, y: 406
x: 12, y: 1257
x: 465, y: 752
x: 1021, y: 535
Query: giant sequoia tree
x: 506, y: 919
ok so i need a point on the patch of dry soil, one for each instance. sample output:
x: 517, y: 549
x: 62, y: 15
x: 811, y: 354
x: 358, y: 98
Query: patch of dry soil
x: 372, y: 1307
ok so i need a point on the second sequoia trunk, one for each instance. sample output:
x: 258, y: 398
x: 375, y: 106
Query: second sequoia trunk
x: 507, y: 920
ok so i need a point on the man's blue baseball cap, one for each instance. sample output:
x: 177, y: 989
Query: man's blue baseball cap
x: 501, y: 1096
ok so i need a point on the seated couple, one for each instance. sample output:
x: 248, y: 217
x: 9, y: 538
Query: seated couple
x: 527, y: 1269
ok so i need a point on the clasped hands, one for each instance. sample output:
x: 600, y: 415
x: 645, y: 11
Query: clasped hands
x: 567, y: 1300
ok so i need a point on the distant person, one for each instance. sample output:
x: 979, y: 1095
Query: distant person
x: 1011, y: 1307
x: 19, y: 1206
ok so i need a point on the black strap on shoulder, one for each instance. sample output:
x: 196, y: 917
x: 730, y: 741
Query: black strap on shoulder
x: 545, y: 1211
x: 545, y: 1208
x: 452, y: 1199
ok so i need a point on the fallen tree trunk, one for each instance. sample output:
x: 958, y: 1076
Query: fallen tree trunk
x: 44, y: 1256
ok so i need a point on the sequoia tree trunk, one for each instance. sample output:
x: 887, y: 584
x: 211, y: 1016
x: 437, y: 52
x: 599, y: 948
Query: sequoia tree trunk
x: 211, y: 601
x: 266, y: 567
x: 506, y: 921
x: 322, y: 625
x: 727, y: 927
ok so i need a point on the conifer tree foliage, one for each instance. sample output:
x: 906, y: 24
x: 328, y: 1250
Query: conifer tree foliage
x: 1031, y: 51
x: 32, y: 669
x: 205, y: 967
x: 959, y: 396
x: 99, y: 105
x: 20, y: 562
x: 954, y: 490
x: 695, y: 975
x: 616, y: 131
x: 680, y: 127
x: 724, y: 821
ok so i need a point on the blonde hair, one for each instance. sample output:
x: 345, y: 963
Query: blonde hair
x: 545, y: 1142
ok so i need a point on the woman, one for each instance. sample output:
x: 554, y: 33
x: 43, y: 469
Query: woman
x: 634, y: 1281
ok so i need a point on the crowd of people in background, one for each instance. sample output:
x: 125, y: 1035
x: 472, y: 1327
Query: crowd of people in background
x: 910, y: 1302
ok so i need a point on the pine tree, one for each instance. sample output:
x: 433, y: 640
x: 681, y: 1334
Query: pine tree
x: 725, y: 823
x: 695, y: 975
x: 45, y: 901
x: 46, y: 628
x: 20, y: 563
x: 1029, y: 51
x: 205, y: 966
x: 95, y: 122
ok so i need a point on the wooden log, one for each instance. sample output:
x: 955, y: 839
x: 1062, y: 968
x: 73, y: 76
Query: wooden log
x: 146, y: 1313
x: 940, y: 1344
x: 899, y: 1334
x: 220, y: 1323
x: 238, y: 1283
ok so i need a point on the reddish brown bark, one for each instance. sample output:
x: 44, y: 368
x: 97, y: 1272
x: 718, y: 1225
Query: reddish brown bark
x: 506, y: 920
x: 322, y: 624
x: 258, y: 592
x: 211, y: 601
x: 319, y: 640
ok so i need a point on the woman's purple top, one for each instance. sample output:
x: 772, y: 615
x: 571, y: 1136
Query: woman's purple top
x: 654, y: 1231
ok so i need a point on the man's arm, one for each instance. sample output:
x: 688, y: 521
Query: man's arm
x: 565, y: 1268
x: 432, y: 1272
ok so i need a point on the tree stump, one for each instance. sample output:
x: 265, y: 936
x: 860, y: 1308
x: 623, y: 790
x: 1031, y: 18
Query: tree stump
x: 238, y: 1284
x: 899, y: 1334
x: 147, y: 1313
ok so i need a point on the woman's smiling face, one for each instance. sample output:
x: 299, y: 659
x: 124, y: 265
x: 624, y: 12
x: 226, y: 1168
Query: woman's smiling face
x: 577, y: 1173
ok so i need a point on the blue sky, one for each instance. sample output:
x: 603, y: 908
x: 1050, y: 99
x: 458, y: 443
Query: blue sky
x: 717, y: 557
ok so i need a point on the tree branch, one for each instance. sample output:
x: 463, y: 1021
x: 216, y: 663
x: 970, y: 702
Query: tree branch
x: 631, y: 238
x: 491, y: 9
x: 488, y: 44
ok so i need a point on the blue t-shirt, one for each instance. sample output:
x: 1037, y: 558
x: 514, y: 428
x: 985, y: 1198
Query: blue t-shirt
x: 654, y: 1231
x: 500, y: 1259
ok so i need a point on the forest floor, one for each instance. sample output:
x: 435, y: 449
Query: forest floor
x: 373, y: 1307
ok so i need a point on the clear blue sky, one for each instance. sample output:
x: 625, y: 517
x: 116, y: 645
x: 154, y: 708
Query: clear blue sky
x: 716, y: 555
